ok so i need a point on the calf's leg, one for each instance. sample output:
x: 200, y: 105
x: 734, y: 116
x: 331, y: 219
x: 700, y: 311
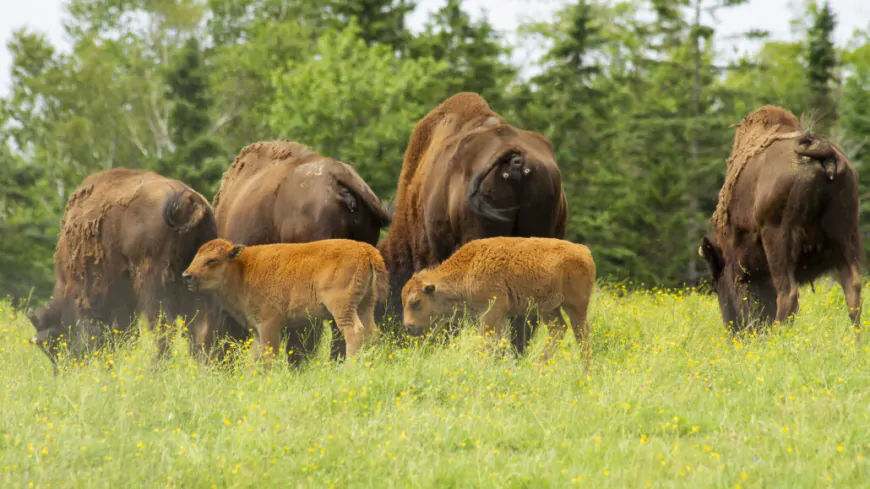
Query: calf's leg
x: 492, y: 322
x: 578, y: 312
x: 556, y: 331
x: 350, y: 325
x: 366, y: 311
x: 269, y: 339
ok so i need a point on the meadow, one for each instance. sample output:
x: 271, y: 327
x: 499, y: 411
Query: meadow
x: 671, y: 400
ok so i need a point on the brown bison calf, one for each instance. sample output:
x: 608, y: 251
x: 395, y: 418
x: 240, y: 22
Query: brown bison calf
x: 515, y: 272
x: 272, y: 286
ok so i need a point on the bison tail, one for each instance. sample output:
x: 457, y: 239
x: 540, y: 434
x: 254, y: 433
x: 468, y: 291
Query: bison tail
x: 380, y: 280
x: 478, y: 204
x: 178, y: 216
x: 350, y: 192
x: 819, y: 150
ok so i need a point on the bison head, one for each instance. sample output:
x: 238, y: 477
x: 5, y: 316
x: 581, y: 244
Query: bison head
x: 424, y: 302
x: 724, y: 283
x: 208, y: 270
x: 738, y: 301
x: 51, y: 332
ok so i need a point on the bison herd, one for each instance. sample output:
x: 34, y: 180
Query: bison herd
x: 292, y: 239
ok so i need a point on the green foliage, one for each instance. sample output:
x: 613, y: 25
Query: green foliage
x: 670, y: 400
x: 635, y: 95
x: 821, y: 61
x: 194, y: 159
x: 472, y: 51
x: 355, y: 103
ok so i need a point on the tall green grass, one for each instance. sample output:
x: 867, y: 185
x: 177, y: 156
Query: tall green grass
x: 672, y: 400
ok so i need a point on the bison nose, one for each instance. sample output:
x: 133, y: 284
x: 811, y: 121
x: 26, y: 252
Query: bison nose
x: 188, y: 280
x: 413, y: 329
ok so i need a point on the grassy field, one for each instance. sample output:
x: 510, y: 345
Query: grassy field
x: 671, y: 401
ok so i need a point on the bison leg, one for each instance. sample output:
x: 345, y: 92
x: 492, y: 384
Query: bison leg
x: 149, y: 307
x: 269, y: 339
x: 366, y: 311
x: 492, y: 322
x: 556, y: 332
x: 353, y: 332
x: 578, y: 313
x: 350, y: 325
x: 850, y: 280
x: 778, y: 253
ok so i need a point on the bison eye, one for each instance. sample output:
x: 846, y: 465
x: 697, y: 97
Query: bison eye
x: 211, y: 262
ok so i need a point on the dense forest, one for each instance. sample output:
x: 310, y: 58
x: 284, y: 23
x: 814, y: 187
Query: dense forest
x: 637, y: 97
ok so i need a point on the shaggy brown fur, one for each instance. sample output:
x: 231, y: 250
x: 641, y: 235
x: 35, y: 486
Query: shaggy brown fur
x: 791, y: 216
x: 468, y: 174
x: 501, y: 277
x: 758, y: 130
x: 269, y: 286
x: 282, y: 192
x: 125, y: 238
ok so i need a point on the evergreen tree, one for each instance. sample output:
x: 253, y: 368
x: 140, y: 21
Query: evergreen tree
x: 472, y: 51
x: 380, y: 21
x: 821, y: 59
x: 196, y: 160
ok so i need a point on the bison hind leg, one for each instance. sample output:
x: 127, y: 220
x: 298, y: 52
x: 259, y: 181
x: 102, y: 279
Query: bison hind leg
x: 557, y: 328
x: 777, y: 249
x: 850, y: 281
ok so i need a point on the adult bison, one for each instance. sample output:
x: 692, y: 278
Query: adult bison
x: 283, y: 192
x: 787, y: 213
x: 125, y: 239
x: 468, y: 174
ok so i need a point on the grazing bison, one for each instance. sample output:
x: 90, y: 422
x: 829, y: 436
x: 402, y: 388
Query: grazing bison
x: 125, y: 238
x: 467, y: 174
x: 787, y: 213
x: 271, y: 286
x: 501, y: 277
x: 282, y: 192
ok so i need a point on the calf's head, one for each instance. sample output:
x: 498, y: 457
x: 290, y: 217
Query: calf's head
x: 211, y: 266
x: 424, y: 302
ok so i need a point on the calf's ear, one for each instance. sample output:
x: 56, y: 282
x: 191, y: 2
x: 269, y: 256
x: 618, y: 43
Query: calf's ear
x: 429, y: 289
x: 713, y: 255
x: 236, y: 251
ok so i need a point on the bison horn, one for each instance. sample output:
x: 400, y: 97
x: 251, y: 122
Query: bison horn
x: 701, y: 251
x: 505, y: 175
x: 527, y: 170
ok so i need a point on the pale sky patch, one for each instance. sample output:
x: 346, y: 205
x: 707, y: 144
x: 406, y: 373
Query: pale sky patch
x: 505, y: 15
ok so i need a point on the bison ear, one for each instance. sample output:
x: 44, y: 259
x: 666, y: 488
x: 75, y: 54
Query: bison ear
x: 713, y: 255
x: 236, y: 251
x: 429, y: 289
